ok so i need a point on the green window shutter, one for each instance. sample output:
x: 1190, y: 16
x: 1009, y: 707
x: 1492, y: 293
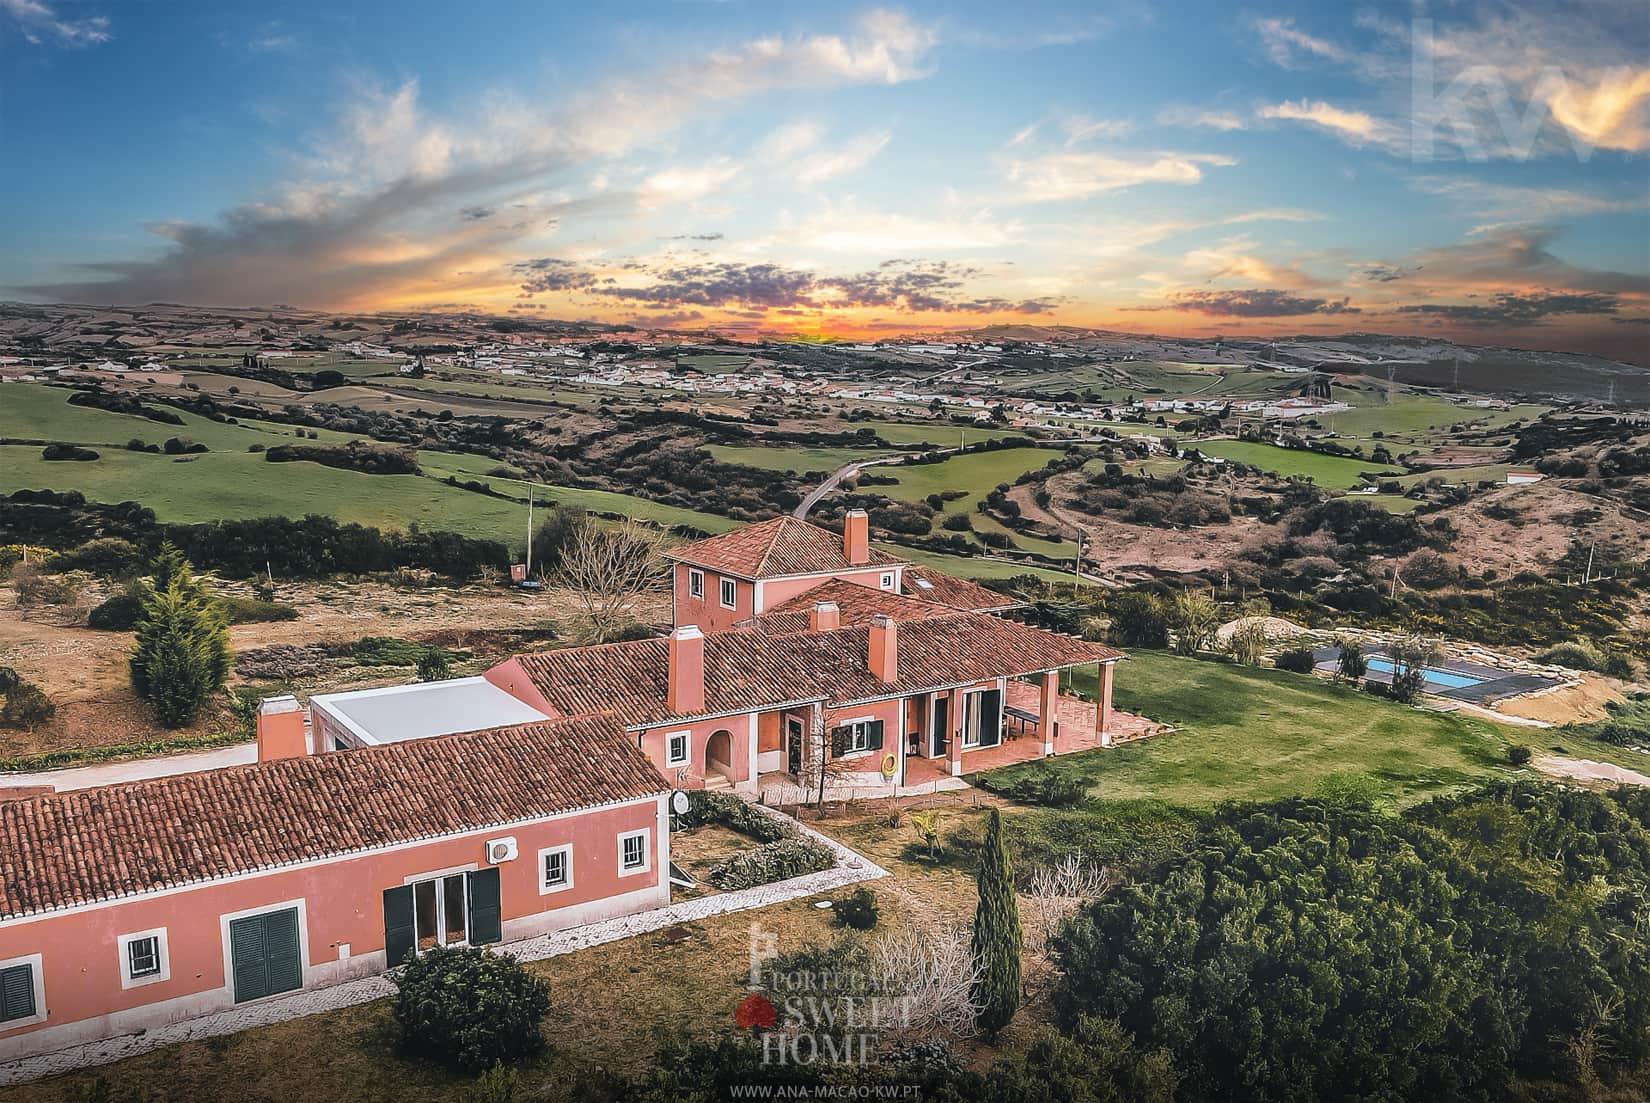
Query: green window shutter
x: 285, y: 961
x: 485, y: 919
x: 399, y: 937
x: 246, y: 958
x: 17, y: 993
x: 839, y: 741
x: 874, y: 736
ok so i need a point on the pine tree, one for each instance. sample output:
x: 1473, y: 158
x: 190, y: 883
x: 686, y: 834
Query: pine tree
x: 169, y: 564
x: 180, y: 657
x: 996, y: 935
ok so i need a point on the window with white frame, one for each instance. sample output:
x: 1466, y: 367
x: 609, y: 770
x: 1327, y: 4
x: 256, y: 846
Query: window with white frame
x: 856, y: 737
x: 676, y: 748
x: 887, y: 580
x: 143, y: 958
x: 22, y: 994
x: 730, y: 593
x: 696, y: 583
x: 633, y: 852
x: 555, y: 869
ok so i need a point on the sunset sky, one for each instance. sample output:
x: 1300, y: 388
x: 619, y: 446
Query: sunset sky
x: 1473, y: 170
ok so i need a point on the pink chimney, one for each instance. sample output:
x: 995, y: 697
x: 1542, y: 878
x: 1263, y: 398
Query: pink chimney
x: 884, y: 648
x: 856, y: 537
x: 686, y: 689
x: 281, y: 729
x: 825, y: 617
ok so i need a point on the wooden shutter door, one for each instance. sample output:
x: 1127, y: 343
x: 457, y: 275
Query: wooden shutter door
x: 839, y: 741
x: 285, y: 959
x: 874, y: 736
x: 17, y: 993
x: 486, y: 923
x: 247, y: 958
x: 399, y: 938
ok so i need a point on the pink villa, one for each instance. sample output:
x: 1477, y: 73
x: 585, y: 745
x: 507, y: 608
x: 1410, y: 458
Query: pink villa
x: 524, y: 801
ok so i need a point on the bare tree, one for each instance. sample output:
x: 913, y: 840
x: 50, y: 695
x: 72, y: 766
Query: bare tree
x: 609, y: 569
x: 1054, y: 893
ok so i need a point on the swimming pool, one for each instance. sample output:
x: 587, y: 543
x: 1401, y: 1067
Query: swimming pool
x: 1435, y: 676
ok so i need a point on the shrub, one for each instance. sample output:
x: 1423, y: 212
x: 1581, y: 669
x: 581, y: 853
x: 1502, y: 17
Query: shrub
x: 1575, y: 654
x: 35, y: 588
x: 246, y: 610
x: 118, y: 613
x: 26, y: 706
x: 735, y: 815
x: 859, y: 911
x: 1518, y: 754
x: 67, y: 452
x: 107, y: 556
x: 1048, y: 789
x: 1352, y: 665
x: 433, y: 666
x: 1297, y: 660
x: 9, y: 678
x: 1139, y: 620
x: 469, y: 1008
x: 497, y: 1085
x: 181, y: 446
x: 770, y: 862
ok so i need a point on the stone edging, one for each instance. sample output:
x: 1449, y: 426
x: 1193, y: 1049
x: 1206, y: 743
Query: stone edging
x: 850, y: 868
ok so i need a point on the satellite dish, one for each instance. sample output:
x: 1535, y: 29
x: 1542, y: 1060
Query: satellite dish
x: 679, y: 802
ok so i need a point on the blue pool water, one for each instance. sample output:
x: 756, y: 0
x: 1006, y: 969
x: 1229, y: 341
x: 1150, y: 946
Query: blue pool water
x: 1434, y: 676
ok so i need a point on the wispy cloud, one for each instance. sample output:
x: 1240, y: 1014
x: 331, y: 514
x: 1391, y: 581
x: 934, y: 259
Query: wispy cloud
x: 1201, y: 117
x: 40, y: 24
x: 1066, y: 176
x: 1356, y: 127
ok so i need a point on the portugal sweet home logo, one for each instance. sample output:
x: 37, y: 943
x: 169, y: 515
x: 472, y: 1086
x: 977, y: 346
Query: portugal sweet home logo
x: 807, y: 1015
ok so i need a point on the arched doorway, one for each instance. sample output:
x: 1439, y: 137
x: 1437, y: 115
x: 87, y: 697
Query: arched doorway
x: 719, y: 754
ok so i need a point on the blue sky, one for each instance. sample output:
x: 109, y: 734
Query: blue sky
x: 1195, y: 168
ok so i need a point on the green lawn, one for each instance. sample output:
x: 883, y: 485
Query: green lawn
x: 1258, y: 734
x: 33, y: 411
x: 1334, y: 472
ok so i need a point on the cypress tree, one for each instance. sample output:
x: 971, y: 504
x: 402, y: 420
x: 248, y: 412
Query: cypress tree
x: 996, y: 935
x: 181, y: 655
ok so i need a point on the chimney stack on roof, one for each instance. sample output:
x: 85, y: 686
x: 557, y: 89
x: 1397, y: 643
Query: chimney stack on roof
x: 685, y: 691
x: 856, y: 537
x: 884, y: 648
x: 825, y: 616
x: 281, y: 729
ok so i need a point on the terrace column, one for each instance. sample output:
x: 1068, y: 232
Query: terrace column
x: 1048, y: 711
x: 1102, y: 705
x: 953, y: 743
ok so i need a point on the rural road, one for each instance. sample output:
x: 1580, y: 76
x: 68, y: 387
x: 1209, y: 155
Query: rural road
x: 137, y: 769
x: 834, y: 479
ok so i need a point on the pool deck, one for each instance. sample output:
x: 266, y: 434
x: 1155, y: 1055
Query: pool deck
x: 1493, y: 683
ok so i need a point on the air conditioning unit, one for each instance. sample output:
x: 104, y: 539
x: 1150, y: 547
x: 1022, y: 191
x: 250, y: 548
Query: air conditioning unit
x: 501, y: 850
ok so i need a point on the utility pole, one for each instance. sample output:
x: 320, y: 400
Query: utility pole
x: 1587, y: 575
x: 1078, y: 566
x: 528, y: 570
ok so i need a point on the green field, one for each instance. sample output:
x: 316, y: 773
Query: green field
x: 31, y: 411
x: 1413, y: 416
x: 940, y: 434
x: 1332, y: 472
x: 1253, y: 734
x: 794, y: 458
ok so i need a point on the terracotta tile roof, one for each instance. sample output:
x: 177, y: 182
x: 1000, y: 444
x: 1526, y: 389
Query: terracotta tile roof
x: 957, y: 593
x: 781, y: 546
x: 753, y: 670
x: 117, y: 840
x: 857, y: 604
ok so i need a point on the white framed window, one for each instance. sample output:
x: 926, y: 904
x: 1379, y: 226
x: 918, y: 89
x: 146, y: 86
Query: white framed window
x: 144, y: 958
x: 887, y: 580
x: 555, y: 869
x: 22, y: 992
x: 859, y: 736
x: 730, y: 593
x: 635, y: 856
x: 696, y: 583
x: 677, y: 748
x: 441, y: 907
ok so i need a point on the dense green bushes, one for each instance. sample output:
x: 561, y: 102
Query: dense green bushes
x: 1303, y: 950
x: 469, y: 1008
x: 354, y: 456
